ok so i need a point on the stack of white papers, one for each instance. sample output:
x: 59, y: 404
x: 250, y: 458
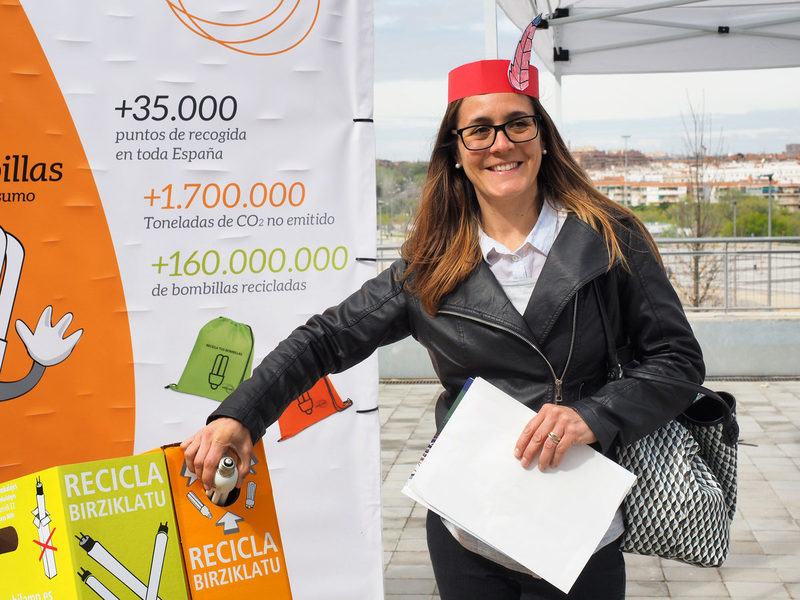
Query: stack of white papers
x: 549, y: 522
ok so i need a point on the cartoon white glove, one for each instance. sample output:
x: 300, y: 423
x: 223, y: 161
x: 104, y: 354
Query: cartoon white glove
x: 47, y: 345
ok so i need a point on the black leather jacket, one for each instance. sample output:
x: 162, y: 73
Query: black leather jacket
x: 555, y: 352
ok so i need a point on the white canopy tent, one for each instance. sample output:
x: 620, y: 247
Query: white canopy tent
x: 629, y: 36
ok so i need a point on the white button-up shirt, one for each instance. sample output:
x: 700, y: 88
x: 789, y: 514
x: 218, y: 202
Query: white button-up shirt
x: 518, y: 270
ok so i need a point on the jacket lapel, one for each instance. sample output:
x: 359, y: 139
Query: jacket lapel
x: 578, y: 255
x: 480, y: 296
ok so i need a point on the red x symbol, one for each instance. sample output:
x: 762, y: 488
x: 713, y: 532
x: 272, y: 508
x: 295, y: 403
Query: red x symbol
x: 46, y: 545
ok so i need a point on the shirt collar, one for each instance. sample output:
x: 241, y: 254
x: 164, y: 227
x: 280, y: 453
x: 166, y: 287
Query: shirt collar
x: 541, y: 237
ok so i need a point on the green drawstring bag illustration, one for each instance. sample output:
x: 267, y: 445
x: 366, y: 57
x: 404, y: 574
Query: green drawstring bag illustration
x: 221, y: 359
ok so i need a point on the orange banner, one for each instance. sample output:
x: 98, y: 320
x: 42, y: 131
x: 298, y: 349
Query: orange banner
x: 66, y: 373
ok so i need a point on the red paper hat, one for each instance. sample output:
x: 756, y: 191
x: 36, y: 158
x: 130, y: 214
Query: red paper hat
x: 487, y: 77
x: 498, y: 76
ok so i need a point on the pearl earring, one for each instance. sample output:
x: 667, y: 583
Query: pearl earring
x: 458, y: 166
x: 544, y: 151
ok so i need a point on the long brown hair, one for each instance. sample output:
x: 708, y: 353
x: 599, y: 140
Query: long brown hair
x: 442, y: 248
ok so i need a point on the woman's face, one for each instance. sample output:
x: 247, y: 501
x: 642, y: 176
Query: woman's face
x: 505, y: 171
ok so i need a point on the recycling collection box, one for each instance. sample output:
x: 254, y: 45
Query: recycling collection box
x: 138, y: 527
x: 99, y: 529
x: 232, y: 551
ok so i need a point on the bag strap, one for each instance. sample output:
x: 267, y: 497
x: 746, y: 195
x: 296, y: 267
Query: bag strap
x: 617, y: 371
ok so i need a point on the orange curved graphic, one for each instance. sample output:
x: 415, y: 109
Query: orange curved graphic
x: 62, y: 306
x: 252, y: 36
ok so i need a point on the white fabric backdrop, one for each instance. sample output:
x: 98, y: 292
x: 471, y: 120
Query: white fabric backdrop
x: 299, y: 79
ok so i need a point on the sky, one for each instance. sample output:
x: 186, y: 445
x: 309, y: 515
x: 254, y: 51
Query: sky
x: 418, y: 41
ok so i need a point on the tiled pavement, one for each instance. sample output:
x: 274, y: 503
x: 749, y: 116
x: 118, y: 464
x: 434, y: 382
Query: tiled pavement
x: 764, y: 562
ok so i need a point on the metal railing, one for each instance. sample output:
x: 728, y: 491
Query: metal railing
x: 734, y: 274
x: 719, y: 274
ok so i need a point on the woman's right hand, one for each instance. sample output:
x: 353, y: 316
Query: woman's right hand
x: 205, y: 449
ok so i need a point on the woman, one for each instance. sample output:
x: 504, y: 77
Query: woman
x: 511, y: 253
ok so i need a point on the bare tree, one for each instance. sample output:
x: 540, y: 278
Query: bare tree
x: 695, y: 277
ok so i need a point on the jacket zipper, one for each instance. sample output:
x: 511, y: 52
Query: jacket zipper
x: 559, y: 381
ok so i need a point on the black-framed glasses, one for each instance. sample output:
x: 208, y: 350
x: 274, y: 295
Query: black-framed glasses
x: 517, y: 130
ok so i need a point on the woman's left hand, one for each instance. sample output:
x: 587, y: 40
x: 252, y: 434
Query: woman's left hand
x: 550, y: 434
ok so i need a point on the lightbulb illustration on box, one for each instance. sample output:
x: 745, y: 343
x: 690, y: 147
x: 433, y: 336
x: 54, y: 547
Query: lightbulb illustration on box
x: 41, y: 520
x: 46, y: 345
x: 221, y: 494
x: 112, y: 568
x: 9, y: 539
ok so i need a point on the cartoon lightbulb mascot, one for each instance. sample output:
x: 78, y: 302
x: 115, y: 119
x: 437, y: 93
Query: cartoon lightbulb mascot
x: 46, y: 345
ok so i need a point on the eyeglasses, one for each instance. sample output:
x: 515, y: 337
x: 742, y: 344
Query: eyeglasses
x: 481, y: 137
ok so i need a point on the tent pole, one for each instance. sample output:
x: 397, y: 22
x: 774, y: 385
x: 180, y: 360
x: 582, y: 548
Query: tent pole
x: 557, y: 95
x: 614, y: 12
x: 490, y: 28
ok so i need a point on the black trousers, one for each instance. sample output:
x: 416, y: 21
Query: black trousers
x: 464, y: 575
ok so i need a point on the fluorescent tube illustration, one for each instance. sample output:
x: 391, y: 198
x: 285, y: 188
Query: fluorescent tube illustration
x: 96, y: 585
x: 157, y: 564
x: 198, y: 504
x: 41, y: 520
x: 106, y: 560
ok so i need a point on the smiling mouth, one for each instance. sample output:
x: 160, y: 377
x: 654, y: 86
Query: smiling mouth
x: 504, y: 167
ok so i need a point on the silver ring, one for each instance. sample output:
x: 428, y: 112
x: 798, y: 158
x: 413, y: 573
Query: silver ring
x: 553, y: 437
